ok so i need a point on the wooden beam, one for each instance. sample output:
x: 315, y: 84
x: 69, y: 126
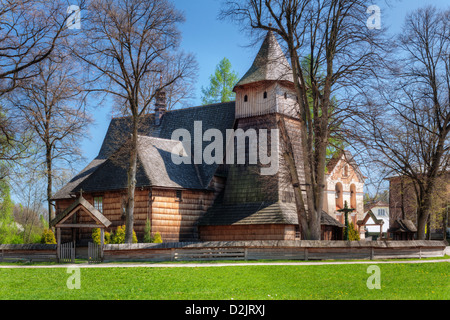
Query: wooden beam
x: 58, y: 241
x: 79, y: 225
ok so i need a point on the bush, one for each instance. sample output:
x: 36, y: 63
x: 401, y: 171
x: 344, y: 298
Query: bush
x: 148, y: 238
x: 157, y: 238
x: 353, y: 234
x: 48, y: 237
x: 119, y: 236
x: 96, y: 233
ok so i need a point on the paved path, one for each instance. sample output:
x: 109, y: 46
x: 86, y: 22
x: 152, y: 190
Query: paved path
x: 199, y: 265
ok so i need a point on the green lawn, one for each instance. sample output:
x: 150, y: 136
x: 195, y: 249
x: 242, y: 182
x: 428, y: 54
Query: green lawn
x: 398, y: 281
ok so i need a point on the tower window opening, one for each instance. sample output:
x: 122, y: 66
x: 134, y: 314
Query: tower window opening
x: 246, y: 98
x: 265, y: 94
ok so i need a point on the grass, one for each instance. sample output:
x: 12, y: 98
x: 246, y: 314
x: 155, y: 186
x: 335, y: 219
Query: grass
x: 324, y: 282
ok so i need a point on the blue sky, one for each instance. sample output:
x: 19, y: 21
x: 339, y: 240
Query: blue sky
x: 211, y: 39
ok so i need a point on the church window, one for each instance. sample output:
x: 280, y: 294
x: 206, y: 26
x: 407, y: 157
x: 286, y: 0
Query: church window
x: 265, y: 94
x: 353, y: 196
x: 285, y: 95
x: 179, y: 196
x: 339, y: 196
x: 98, y: 203
x: 246, y: 98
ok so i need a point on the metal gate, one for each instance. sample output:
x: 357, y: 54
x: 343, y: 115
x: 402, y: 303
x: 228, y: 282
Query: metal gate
x: 94, y: 253
x: 67, y: 252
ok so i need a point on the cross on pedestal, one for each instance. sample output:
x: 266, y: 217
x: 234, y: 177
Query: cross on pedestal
x: 346, y: 210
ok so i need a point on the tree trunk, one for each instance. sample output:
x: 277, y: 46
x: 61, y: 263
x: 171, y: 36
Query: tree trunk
x: 48, y: 160
x: 129, y: 225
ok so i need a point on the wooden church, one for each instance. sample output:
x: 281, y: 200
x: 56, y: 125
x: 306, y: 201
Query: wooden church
x: 208, y: 202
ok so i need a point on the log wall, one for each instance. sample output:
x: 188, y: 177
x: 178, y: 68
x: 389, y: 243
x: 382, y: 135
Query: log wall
x: 247, y: 232
x: 175, y: 219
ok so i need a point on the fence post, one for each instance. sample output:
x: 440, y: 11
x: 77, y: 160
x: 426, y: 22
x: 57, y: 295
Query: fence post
x: 306, y: 254
x: 58, y: 246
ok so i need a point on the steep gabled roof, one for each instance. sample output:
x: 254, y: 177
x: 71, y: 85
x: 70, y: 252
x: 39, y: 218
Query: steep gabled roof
x: 403, y: 225
x: 104, y: 173
x: 270, y: 64
x: 369, y: 215
x: 155, y: 168
x: 371, y: 205
x: 83, y: 204
x: 347, y: 157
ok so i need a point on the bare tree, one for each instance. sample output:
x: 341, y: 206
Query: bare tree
x: 30, y: 30
x: 406, y: 121
x: 342, y: 53
x: 132, y: 47
x: 53, y: 107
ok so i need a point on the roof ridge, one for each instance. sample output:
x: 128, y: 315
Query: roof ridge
x: 181, y: 109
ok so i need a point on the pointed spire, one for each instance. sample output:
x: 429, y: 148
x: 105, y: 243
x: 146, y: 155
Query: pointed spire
x: 270, y: 64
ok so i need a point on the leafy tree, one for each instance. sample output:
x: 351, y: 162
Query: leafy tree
x: 221, y: 84
x: 8, y: 230
x: 48, y: 237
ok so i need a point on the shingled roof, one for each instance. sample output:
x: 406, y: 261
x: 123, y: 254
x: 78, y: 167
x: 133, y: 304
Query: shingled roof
x: 105, y: 172
x: 270, y: 64
x: 258, y: 213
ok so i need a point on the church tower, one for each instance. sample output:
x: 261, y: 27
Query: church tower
x: 264, y: 96
x: 253, y: 204
x: 267, y: 87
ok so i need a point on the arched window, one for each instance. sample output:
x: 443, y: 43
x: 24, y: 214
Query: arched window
x: 265, y: 94
x: 285, y: 95
x: 345, y: 173
x: 353, y: 196
x: 339, y: 196
x: 245, y: 98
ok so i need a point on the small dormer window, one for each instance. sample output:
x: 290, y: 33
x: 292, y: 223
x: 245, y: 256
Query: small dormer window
x: 246, y: 98
x: 265, y: 94
x: 179, y: 195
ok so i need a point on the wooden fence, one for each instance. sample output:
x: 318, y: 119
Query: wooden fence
x: 94, y: 253
x: 67, y: 252
x: 275, y: 250
x: 246, y: 250
x: 28, y: 252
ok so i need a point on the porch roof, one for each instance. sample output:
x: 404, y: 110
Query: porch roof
x: 81, y: 204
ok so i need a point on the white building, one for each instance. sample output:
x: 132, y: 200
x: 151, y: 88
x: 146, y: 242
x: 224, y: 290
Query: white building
x: 376, y: 212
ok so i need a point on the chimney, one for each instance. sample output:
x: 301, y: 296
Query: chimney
x: 160, y: 106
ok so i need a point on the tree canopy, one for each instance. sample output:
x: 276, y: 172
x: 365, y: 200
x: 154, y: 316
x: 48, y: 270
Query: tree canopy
x: 221, y: 84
